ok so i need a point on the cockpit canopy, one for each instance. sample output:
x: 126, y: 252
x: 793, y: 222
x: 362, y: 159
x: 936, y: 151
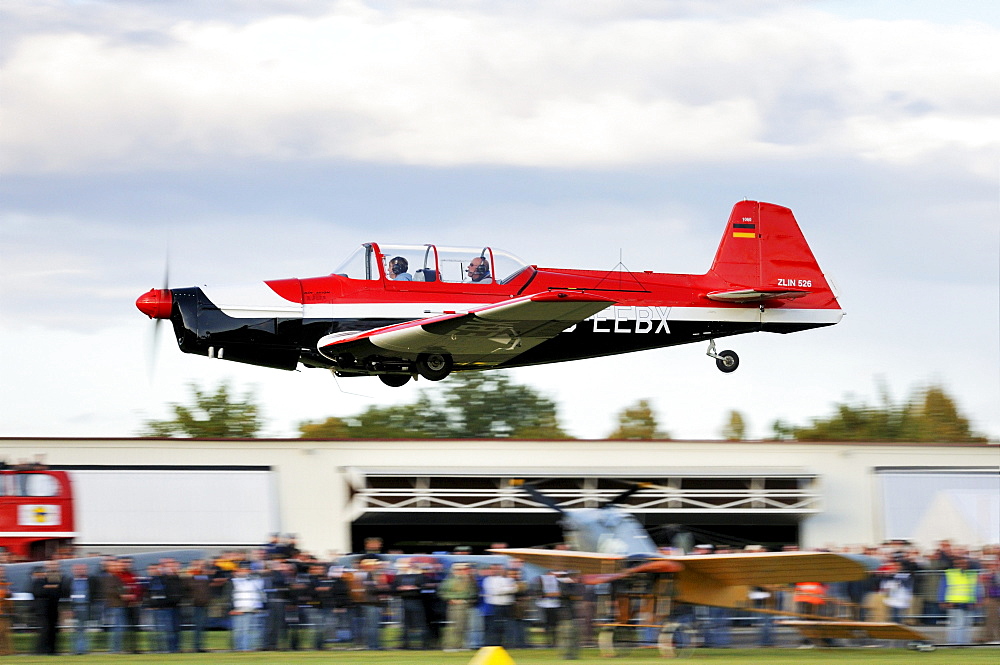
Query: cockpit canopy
x: 430, y: 263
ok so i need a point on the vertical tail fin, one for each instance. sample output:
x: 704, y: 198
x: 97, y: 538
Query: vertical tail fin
x: 763, y: 250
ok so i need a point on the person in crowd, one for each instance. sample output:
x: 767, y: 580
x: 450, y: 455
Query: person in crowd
x: 548, y: 602
x: 434, y: 607
x: 460, y: 591
x: 277, y: 579
x: 989, y: 580
x: 113, y: 593
x: 517, y: 630
x: 407, y: 586
x: 82, y: 590
x: 375, y: 588
x: 246, y: 601
x: 303, y: 604
x: 332, y: 596
x: 274, y: 548
x: 198, y: 591
x: 133, y: 598
x: 958, y: 595
x: 571, y: 595
x: 48, y: 589
x: 6, y: 614
x: 897, y: 590
x: 98, y: 606
x: 176, y: 598
x: 155, y: 596
x: 499, y: 594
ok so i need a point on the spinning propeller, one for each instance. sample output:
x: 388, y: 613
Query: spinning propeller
x: 157, y: 304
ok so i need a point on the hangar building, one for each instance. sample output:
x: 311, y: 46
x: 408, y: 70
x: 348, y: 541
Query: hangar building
x: 429, y: 494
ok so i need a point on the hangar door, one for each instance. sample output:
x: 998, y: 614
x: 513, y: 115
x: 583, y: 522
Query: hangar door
x: 926, y: 505
x: 174, y: 506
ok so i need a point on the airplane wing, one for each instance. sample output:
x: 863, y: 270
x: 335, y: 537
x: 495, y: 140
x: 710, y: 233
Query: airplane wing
x: 724, y: 580
x: 487, y: 335
x: 716, y: 570
x: 588, y: 563
x: 762, y: 568
x: 818, y: 630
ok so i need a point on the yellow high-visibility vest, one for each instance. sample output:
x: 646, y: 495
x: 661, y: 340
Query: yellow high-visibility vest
x: 960, y: 586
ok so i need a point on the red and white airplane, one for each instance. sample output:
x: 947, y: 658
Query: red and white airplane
x: 402, y: 311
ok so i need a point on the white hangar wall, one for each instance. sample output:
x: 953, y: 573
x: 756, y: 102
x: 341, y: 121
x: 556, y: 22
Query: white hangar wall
x: 315, y: 488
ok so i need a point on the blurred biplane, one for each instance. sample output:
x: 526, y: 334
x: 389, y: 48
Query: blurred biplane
x: 650, y: 586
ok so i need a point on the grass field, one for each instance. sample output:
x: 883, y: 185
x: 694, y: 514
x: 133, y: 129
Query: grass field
x: 970, y: 656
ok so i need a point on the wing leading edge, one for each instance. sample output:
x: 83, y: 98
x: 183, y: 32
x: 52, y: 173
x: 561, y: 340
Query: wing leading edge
x: 484, y: 336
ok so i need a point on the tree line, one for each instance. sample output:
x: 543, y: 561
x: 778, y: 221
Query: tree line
x: 486, y: 405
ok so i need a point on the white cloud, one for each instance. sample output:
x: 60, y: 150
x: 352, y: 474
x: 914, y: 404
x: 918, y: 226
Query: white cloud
x: 420, y: 85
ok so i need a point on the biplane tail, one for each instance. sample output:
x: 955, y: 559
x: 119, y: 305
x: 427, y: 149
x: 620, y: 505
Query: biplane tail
x: 764, y: 256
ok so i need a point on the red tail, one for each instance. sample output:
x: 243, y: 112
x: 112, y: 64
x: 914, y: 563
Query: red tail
x: 763, y: 249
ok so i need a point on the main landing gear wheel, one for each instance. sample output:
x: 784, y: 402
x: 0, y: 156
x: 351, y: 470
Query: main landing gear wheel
x: 676, y: 640
x: 434, y: 366
x: 394, y: 380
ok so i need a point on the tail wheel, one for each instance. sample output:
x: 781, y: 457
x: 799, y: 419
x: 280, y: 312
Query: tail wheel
x: 727, y: 361
x: 394, y: 380
x: 434, y: 366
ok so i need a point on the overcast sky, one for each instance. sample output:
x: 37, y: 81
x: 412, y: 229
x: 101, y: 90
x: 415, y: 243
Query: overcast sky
x: 258, y: 140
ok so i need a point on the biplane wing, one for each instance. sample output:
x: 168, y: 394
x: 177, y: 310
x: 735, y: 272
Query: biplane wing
x: 739, y: 569
x: 725, y: 580
x: 763, y: 568
x: 722, y: 580
x: 588, y: 563
x: 820, y: 630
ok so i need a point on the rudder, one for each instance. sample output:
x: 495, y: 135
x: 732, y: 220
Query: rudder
x: 763, y: 248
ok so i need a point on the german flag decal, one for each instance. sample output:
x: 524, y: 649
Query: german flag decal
x: 738, y: 231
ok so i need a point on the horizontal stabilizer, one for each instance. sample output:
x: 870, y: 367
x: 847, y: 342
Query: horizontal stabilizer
x: 755, y: 295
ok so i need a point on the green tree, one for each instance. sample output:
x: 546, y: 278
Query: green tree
x: 638, y: 422
x: 422, y: 419
x: 735, y: 428
x: 469, y: 405
x: 212, y: 415
x: 483, y: 405
x: 930, y: 415
x: 934, y: 416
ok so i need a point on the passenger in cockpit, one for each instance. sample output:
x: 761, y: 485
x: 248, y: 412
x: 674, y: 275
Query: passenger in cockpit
x: 398, y: 270
x: 479, y: 269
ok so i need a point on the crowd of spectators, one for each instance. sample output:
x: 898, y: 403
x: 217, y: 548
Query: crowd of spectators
x: 278, y: 597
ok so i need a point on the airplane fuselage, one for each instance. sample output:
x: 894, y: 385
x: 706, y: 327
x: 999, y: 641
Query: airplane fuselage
x: 374, y: 317
x: 651, y: 310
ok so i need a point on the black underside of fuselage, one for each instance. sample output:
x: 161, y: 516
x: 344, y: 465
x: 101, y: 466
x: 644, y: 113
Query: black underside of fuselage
x: 202, y: 328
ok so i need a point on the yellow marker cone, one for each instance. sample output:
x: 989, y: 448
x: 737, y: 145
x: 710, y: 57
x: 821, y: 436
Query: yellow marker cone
x: 492, y: 656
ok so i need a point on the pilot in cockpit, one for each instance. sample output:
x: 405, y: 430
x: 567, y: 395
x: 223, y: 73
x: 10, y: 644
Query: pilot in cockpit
x: 398, y: 270
x: 479, y: 269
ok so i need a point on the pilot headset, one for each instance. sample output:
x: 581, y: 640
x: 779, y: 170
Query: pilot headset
x: 398, y: 265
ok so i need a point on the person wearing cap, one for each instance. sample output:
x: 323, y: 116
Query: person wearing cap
x: 459, y: 591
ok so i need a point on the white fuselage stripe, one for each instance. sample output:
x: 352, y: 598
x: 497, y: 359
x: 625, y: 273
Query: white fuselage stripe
x: 277, y: 307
